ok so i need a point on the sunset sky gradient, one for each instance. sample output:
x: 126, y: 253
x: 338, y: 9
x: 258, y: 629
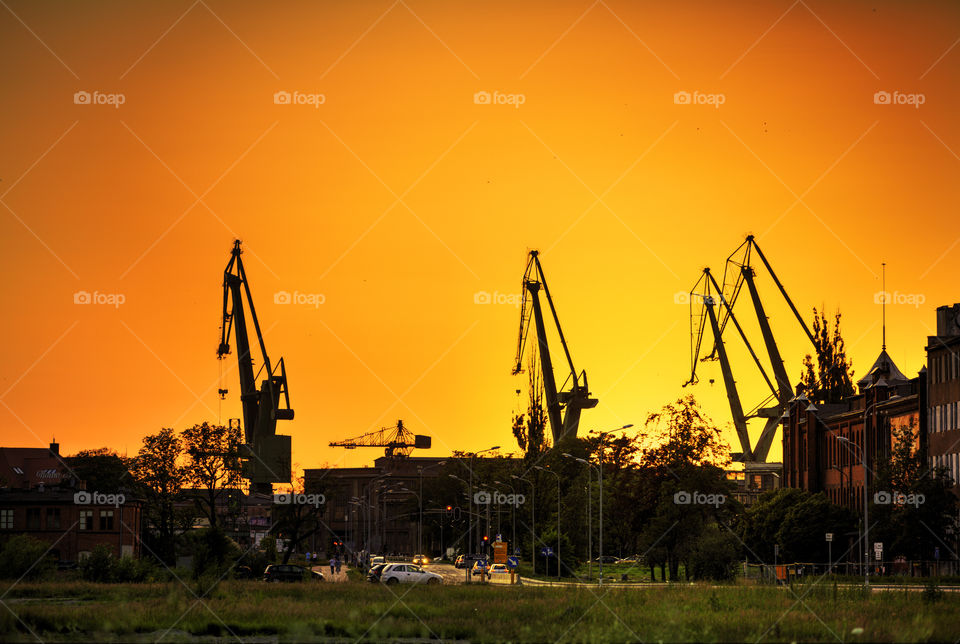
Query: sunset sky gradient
x: 400, y: 198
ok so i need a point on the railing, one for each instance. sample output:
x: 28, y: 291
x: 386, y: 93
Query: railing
x: 881, y: 572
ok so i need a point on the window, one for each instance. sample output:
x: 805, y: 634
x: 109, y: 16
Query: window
x: 6, y: 519
x: 53, y: 518
x: 33, y: 518
x: 106, y: 519
x: 86, y: 519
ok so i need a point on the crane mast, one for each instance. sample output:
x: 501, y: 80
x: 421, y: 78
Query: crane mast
x: 564, y: 406
x: 266, y: 454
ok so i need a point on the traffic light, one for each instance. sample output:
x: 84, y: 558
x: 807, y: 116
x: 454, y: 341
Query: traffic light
x: 449, y: 508
x: 486, y: 538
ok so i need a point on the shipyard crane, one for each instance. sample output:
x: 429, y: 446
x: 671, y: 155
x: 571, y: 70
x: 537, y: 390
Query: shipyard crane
x: 266, y: 454
x: 398, y: 441
x: 712, y: 303
x: 564, y: 406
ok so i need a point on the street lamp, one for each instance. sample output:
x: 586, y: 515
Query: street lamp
x: 420, y: 469
x: 590, y: 516
x: 866, y: 517
x: 513, y: 513
x: 533, y: 520
x: 473, y: 456
x: 543, y: 469
x: 603, y: 436
x: 420, y: 522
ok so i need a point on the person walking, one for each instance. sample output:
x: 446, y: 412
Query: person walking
x: 333, y: 565
x: 338, y: 565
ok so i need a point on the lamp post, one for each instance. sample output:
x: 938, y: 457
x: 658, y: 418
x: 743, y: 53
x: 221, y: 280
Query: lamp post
x: 473, y: 456
x: 533, y: 520
x: 603, y: 436
x: 866, y: 517
x: 420, y: 522
x: 513, y: 513
x: 543, y: 469
x: 590, y: 512
x: 420, y: 470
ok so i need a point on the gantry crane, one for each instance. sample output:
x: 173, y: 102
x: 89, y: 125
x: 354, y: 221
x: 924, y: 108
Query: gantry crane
x: 563, y: 407
x: 710, y: 296
x: 266, y: 454
x: 398, y: 441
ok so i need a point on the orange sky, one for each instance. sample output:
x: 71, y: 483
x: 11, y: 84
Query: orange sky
x: 399, y: 198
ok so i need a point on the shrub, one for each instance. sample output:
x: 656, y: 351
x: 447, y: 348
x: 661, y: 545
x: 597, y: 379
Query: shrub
x: 23, y: 556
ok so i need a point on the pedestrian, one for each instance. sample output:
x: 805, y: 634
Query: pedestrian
x: 338, y: 565
x: 333, y: 565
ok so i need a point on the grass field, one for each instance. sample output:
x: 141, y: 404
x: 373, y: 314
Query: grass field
x: 252, y: 610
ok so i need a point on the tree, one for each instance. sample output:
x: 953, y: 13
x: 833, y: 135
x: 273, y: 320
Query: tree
x: 833, y: 378
x: 102, y: 469
x: 530, y: 429
x: 296, y: 522
x: 157, y: 468
x: 213, y: 464
x: 912, y: 506
x: 22, y: 556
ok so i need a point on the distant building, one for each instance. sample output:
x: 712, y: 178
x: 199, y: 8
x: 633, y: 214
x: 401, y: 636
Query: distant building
x: 39, y: 497
x: 943, y: 376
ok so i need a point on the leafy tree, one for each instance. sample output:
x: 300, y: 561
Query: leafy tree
x: 213, y: 464
x: 23, y: 556
x: 530, y: 429
x: 157, y: 468
x: 919, y: 507
x: 832, y: 379
x: 795, y: 520
x: 102, y: 469
x: 295, y: 523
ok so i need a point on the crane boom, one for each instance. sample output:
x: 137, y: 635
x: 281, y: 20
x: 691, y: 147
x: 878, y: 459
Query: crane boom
x: 563, y: 406
x: 398, y: 440
x: 266, y: 453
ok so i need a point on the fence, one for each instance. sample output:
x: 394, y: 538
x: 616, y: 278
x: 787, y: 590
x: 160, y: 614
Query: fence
x: 879, y: 570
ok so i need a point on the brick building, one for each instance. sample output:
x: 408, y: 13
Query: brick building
x: 39, y: 497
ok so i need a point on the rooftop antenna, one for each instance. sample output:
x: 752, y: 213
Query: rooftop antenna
x: 883, y: 304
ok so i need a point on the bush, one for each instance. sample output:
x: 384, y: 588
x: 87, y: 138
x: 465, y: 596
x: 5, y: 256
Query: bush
x: 24, y: 557
x: 103, y: 567
x: 714, y: 556
x: 212, y: 550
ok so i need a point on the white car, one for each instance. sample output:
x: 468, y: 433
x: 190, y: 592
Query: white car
x: 499, y: 569
x: 408, y: 574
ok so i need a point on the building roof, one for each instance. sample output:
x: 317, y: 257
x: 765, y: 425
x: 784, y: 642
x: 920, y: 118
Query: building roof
x: 27, y: 467
x: 883, y: 373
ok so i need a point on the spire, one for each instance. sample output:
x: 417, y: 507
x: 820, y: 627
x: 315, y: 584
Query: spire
x: 883, y: 304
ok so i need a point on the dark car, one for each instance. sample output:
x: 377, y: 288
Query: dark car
x: 373, y: 575
x: 607, y: 559
x: 287, y: 572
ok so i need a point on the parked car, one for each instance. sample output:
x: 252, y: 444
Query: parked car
x: 499, y: 569
x: 408, y: 574
x: 378, y: 560
x: 373, y: 575
x: 287, y: 572
x: 607, y: 559
x: 420, y: 560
